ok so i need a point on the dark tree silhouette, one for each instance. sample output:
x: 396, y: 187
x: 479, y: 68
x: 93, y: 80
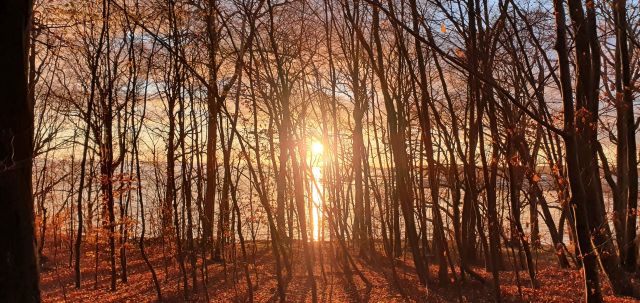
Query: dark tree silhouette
x: 18, y: 265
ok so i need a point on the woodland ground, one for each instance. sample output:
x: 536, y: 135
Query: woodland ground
x: 226, y: 283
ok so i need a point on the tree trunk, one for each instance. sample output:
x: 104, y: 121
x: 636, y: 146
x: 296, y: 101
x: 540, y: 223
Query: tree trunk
x: 19, y: 274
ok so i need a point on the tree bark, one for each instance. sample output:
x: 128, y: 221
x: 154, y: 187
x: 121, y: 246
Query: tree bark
x: 19, y: 275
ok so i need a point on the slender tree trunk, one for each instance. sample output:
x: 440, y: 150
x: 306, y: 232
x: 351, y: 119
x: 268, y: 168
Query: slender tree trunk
x: 627, y: 186
x: 579, y: 196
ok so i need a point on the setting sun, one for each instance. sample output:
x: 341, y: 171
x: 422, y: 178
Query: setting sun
x: 317, y: 148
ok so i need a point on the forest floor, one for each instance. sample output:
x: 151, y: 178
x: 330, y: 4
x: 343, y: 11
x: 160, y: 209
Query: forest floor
x: 227, y: 282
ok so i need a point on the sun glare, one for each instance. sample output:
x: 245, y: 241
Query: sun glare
x: 317, y: 148
x: 316, y: 189
x: 316, y: 195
